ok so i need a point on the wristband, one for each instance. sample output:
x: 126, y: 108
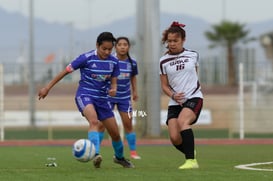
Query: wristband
x: 173, y: 95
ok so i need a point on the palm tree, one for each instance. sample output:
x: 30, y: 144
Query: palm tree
x: 227, y: 34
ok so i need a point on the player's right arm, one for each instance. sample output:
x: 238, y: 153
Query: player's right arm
x: 165, y: 85
x: 176, y: 96
x: 80, y: 61
x: 44, y: 91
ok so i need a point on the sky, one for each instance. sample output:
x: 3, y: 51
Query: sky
x: 84, y: 14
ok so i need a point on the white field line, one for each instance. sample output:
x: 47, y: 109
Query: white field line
x: 251, y: 165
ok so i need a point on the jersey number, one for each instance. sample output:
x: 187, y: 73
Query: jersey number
x: 180, y: 67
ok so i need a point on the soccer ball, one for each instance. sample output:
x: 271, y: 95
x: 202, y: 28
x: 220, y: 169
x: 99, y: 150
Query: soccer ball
x: 83, y: 150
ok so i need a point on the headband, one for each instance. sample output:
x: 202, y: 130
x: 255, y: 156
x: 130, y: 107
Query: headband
x: 177, y: 24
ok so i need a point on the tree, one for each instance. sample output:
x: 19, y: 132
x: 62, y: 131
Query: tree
x: 227, y: 34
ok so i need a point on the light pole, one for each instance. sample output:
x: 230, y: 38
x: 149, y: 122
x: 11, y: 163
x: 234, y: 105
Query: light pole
x: 31, y: 74
x: 223, y: 10
x: 148, y: 54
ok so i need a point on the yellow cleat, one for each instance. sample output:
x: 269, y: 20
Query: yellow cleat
x: 189, y: 164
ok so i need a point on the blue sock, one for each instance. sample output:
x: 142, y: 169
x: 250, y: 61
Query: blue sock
x: 131, y: 139
x: 118, y: 148
x: 101, y: 136
x: 93, y: 136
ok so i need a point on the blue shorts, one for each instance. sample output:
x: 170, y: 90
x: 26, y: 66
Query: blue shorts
x: 102, y: 106
x: 122, y: 105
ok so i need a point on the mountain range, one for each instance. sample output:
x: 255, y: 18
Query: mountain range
x: 66, y: 40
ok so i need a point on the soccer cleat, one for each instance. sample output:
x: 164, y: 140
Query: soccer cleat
x: 134, y: 155
x: 189, y: 164
x: 124, y: 162
x: 97, y: 161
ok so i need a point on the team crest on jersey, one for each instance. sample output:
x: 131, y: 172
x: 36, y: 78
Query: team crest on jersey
x: 128, y: 66
x: 111, y: 65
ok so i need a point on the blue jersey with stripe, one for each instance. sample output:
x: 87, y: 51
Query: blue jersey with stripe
x: 96, y: 74
x: 128, y: 68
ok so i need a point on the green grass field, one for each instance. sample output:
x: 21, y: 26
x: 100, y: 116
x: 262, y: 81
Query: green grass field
x: 59, y: 133
x: 158, y: 163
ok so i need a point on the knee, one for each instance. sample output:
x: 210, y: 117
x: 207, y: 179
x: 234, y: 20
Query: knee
x: 114, y: 134
x: 175, y: 140
x: 93, y: 125
x: 101, y: 128
x: 186, y: 124
x: 128, y: 128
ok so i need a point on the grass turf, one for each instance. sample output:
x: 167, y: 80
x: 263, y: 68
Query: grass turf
x: 58, y: 133
x: 158, y: 163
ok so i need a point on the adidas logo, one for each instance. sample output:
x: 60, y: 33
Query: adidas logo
x: 94, y: 65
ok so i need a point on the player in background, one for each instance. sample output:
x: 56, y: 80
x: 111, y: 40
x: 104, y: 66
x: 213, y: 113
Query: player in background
x: 126, y: 81
x: 99, y: 71
x: 179, y: 81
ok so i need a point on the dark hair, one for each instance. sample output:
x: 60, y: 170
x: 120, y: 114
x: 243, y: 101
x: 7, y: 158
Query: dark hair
x: 123, y: 38
x: 173, y: 29
x: 127, y: 40
x: 105, y: 36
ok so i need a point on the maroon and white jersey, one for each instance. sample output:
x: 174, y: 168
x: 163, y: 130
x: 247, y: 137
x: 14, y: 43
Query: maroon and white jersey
x: 181, y: 73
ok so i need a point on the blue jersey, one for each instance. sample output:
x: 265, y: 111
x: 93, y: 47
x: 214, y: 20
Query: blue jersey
x: 96, y: 74
x: 128, y: 68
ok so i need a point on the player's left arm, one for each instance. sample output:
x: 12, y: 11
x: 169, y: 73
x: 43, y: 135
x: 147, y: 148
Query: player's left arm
x: 134, y: 88
x: 134, y: 80
x: 113, y: 89
x: 114, y: 78
x: 197, y: 63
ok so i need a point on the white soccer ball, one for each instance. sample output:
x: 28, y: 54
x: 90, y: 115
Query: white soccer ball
x: 83, y: 150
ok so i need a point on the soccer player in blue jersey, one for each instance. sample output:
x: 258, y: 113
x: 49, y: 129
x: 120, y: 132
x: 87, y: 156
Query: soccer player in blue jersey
x: 126, y: 81
x: 99, y: 71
